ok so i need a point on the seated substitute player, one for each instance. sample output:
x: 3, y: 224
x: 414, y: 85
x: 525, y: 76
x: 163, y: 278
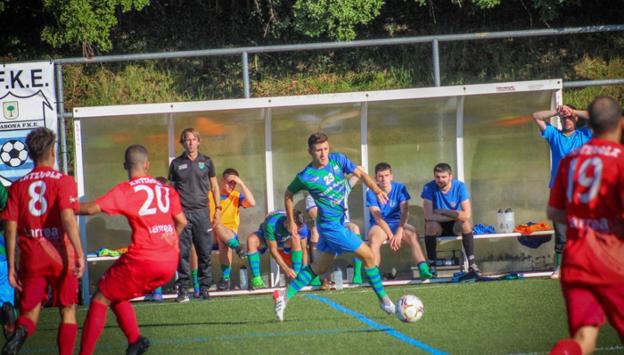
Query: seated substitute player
x: 274, y: 234
x: 40, y: 211
x: 227, y: 229
x: 324, y: 178
x: 312, y: 210
x: 447, y: 210
x: 588, y: 195
x: 156, y: 218
x: 388, y: 221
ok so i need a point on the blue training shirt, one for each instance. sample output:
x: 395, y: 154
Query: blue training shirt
x: 327, y: 187
x: 561, y: 145
x: 391, y: 211
x: 451, y: 200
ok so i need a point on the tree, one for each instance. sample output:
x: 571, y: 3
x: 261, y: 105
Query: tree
x: 85, y: 22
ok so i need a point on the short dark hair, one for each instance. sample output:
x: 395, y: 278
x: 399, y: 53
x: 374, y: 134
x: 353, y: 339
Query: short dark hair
x: 604, y: 114
x: 162, y: 180
x: 39, y: 142
x: 316, y: 138
x: 189, y: 130
x: 442, y: 168
x: 135, y: 154
x: 298, y: 217
x: 229, y: 171
x: 383, y: 166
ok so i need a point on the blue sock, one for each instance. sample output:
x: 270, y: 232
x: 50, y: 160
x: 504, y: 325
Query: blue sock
x: 226, y: 270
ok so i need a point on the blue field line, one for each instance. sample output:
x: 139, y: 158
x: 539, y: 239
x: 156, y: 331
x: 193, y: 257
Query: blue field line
x: 387, y: 329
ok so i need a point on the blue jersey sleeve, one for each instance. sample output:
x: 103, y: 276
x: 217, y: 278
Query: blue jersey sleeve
x: 463, y: 193
x: 348, y: 167
x: 241, y: 198
x: 427, y: 192
x: 371, y: 199
x: 587, y: 133
x: 549, y: 133
x: 403, y: 194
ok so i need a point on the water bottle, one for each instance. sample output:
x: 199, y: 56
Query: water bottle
x: 242, y: 278
x: 500, y: 221
x: 350, y: 272
x: 338, y: 279
x: 510, y: 223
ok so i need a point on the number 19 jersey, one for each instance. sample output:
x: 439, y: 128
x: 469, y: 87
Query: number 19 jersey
x: 149, y: 207
x: 35, y: 203
x: 590, y: 188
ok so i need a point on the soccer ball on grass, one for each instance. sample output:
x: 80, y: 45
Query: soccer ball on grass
x: 409, y: 308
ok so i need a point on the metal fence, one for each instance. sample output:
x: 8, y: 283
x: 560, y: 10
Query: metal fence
x: 244, y: 52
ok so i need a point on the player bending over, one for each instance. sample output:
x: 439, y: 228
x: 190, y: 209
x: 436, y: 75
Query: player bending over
x: 155, y: 216
x: 324, y: 178
x: 40, y: 211
x: 274, y: 234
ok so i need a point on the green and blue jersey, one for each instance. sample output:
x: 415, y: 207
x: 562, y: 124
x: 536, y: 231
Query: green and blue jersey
x: 327, y: 186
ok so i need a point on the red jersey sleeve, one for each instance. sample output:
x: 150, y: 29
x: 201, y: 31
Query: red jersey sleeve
x: 11, y: 211
x: 68, y: 194
x: 176, y: 207
x: 558, y: 192
x: 113, y: 201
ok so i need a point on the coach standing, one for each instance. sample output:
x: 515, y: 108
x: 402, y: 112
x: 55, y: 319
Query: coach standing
x: 562, y: 141
x: 193, y: 176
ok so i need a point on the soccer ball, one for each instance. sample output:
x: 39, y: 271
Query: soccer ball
x: 13, y: 153
x: 409, y: 308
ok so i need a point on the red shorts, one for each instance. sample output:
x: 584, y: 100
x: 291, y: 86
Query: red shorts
x: 587, y: 305
x: 286, y: 256
x: 129, y: 278
x: 35, y: 291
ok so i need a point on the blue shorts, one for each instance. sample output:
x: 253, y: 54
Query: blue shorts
x: 335, y: 238
x: 7, y: 293
x: 393, y: 226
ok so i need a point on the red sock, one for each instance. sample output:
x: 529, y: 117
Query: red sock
x: 93, y: 327
x: 566, y: 347
x: 28, y: 324
x: 67, y: 338
x: 126, y: 318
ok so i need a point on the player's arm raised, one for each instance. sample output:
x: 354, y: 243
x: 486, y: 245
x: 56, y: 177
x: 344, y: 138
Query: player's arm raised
x: 10, y: 233
x: 68, y: 218
x: 541, y: 118
x: 250, y: 200
x: 382, y: 196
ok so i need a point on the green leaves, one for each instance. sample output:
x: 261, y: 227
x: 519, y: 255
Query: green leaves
x: 336, y: 19
x: 85, y: 22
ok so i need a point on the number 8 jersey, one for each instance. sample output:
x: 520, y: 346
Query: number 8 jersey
x: 35, y: 203
x: 149, y: 207
x: 589, y: 187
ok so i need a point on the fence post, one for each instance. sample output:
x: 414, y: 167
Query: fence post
x: 436, y: 62
x: 60, y: 110
x: 246, y: 75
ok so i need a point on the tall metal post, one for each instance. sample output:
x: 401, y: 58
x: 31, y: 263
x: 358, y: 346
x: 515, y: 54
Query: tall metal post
x: 436, y: 62
x: 60, y: 110
x: 246, y: 75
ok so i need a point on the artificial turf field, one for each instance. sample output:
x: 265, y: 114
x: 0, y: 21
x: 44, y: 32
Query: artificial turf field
x: 502, y: 317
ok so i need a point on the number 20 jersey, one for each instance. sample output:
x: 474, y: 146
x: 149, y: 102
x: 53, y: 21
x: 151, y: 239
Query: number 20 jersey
x: 149, y: 207
x: 590, y: 188
x: 35, y: 203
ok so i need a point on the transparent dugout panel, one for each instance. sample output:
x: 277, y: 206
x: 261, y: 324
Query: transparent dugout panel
x: 232, y: 139
x: 412, y: 136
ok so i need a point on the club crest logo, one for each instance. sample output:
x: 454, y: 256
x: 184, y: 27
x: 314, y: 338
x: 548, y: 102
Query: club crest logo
x: 10, y: 110
x: 202, y: 165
